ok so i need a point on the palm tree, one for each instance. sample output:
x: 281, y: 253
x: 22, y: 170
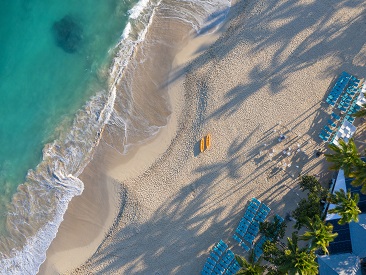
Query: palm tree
x: 346, y: 206
x: 359, y: 175
x: 360, y: 113
x: 298, y: 261
x: 320, y: 234
x: 249, y: 267
x: 346, y: 156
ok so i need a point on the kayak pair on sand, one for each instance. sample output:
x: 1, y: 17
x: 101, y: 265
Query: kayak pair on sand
x: 207, y: 143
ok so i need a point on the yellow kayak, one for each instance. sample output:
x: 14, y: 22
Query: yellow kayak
x: 202, y: 145
x: 208, y: 141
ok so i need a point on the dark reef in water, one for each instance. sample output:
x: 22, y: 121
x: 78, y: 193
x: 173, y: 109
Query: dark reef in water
x: 68, y: 34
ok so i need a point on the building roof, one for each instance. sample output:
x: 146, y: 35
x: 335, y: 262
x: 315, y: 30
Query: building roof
x: 342, y: 243
x: 358, y: 236
x: 340, y: 264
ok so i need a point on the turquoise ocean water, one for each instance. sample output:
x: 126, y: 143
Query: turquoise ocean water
x: 54, y: 56
x: 42, y: 85
x: 60, y: 62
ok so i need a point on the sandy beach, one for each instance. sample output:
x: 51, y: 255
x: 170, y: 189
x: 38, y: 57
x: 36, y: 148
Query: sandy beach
x: 265, y: 72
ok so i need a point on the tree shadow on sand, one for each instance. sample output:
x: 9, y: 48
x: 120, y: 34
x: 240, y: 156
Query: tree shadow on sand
x: 187, y: 225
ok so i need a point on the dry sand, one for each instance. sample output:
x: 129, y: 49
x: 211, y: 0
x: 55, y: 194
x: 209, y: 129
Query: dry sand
x: 267, y: 74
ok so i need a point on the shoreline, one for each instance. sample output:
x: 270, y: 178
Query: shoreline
x: 121, y: 167
x: 245, y: 88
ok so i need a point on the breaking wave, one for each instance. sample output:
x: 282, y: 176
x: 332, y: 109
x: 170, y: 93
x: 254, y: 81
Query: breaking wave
x: 38, y: 207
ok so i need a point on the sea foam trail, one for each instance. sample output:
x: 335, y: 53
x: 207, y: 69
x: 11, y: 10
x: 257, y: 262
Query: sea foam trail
x: 38, y: 207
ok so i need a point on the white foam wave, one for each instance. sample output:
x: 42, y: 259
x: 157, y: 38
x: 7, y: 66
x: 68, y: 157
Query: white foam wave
x: 138, y: 9
x: 32, y: 255
x: 39, y: 205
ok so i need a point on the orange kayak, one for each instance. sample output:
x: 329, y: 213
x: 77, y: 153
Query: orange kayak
x: 208, y: 141
x: 202, y: 145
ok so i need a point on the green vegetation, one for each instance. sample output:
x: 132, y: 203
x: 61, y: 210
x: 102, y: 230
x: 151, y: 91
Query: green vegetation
x: 319, y: 234
x: 360, y: 113
x: 344, y: 157
x: 298, y: 261
x: 306, y: 209
x: 249, y: 267
x: 359, y: 175
x: 290, y: 259
x: 311, y: 184
x: 273, y: 230
x: 346, y: 206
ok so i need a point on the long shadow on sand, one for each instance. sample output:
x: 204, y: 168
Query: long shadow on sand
x: 190, y: 221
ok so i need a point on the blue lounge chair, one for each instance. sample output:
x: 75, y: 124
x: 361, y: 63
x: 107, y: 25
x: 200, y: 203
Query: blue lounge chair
x: 217, y: 251
x: 331, y: 123
x: 326, y: 128
x: 214, y: 256
x: 243, y: 227
x: 235, y: 267
x: 244, y: 224
x: 323, y: 138
x: 279, y: 217
x: 230, y: 254
x: 343, y: 109
x: 222, y: 245
x: 325, y: 134
x: 254, y: 224
x: 221, y: 266
x: 335, y: 116
x: 249, y: 216
x: 240, y: 232
x: 351, y: 119
x: 264, y: 208
x: 252, y: 209
x: 236, y: 238
x: 256, y: 201
x: 330, y: 102
x: 208, y: 267
x: 249, y: 238
x: 255, y: 231
x: 210, y: 261
x: 217, y: 270
x: 244, y: 246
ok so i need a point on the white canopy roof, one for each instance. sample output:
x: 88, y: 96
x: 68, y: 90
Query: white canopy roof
x: 361, y: 98
x: 339, y: 264
x: 345, y: 132
x: 338, y: 185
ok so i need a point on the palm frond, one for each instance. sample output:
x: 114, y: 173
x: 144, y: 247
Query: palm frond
x: 360, y: 113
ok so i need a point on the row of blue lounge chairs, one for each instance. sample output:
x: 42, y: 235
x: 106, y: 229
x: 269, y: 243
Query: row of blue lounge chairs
x: 248, y: 227
x: 347, y: 104
x: 349, y: 97
x: 221, y: 261
x: 344, y: 80
x: 338, y: 88
x: 329, y: 131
